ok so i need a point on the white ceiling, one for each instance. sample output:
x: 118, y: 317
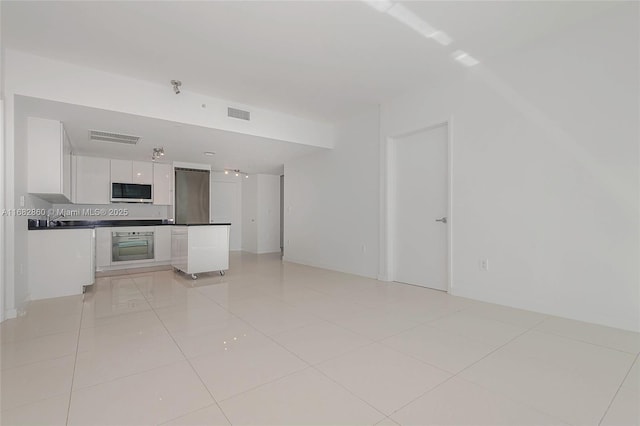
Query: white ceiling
x: 182, y: 142
x: 318, y: 59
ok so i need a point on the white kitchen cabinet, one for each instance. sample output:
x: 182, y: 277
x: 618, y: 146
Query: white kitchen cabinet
x: 142, y: 172
x: 61, y: 261
x: 127, y: 171
x: 200, y: 248
x: 48, y: 160
x: 103, y: 248
x: 122, y: 171
x: 162, y: 243
x: 162, y: 184
x: 92, y: 182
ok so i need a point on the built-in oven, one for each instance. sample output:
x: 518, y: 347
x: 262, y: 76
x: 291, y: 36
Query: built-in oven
x: 131, y: 246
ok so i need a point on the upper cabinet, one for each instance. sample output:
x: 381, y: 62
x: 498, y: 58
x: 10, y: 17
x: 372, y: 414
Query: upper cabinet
x: 122, y: 171
x: 92, y: 182
x: 48, y: 160
x: 142, y: 172
x: 127, y: 171
x: 162, y: 184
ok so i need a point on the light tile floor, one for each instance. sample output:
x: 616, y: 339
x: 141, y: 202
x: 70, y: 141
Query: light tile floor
x: 276, y: 344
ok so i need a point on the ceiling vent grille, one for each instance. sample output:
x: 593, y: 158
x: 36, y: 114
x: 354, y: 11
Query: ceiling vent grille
x: 96, y: 135
x: 238, y: 113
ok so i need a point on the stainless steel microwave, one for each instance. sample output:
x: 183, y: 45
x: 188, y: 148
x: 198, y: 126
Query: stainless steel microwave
x: 131, y: 193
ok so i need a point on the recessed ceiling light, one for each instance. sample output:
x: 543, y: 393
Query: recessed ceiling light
x: 209, y: 153
x: 464, y: 58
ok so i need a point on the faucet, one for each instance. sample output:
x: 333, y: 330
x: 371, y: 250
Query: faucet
x: 54, y: 218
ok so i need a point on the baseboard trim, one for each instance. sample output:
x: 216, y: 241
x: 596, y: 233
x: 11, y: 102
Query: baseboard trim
x: 327, y: 267
x: 10, y: 314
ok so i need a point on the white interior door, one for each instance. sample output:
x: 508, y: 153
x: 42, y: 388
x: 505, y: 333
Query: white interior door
x: 420, y: 234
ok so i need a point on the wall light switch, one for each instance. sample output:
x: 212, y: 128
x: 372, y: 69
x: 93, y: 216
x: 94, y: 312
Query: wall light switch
x: 484, y: 264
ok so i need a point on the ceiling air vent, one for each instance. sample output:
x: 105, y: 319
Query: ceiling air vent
x: 96, y: 135
x: 238, y: 113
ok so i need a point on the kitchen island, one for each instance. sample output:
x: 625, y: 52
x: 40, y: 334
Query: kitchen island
x: 200, y: 248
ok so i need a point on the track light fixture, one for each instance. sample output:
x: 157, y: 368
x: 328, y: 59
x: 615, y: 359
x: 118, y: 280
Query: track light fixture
x: 176, y: 86
x: 236, y: 172
x: 157, y: 153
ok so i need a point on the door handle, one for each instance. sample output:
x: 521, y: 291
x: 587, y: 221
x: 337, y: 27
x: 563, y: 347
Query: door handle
x: 443, y: 220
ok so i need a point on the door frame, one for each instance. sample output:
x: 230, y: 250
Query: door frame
x: 387, y: 194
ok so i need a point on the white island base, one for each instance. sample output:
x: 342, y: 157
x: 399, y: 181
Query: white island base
x: 200, y: 248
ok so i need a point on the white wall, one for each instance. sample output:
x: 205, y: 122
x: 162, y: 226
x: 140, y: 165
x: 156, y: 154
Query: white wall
x: 226, y: 205
x: 2, y: 203
x: 2, y: 185
x: 268, y: 213
x: 545, y: 172
x: 331, y: 201
x: 39, y: 77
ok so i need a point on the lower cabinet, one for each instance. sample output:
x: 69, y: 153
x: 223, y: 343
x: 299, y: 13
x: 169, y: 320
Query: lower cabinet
x: 162, y: 247
x: 103, y: 248
x: 200, y: 248
x: 61, y: 262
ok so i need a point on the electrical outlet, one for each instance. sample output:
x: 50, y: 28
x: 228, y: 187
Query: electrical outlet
x: 484, y: 264
x: 22, y: 201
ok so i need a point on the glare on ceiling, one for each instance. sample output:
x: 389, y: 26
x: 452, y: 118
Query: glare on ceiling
x: 379, y: 5
x: 464, y: 58
x: 410, y: 19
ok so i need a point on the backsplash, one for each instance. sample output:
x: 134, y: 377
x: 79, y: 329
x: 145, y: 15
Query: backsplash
x: 115, y: 211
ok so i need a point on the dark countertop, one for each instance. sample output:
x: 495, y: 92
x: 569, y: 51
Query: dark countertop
x: 34, y: 224
x: 201, y: 224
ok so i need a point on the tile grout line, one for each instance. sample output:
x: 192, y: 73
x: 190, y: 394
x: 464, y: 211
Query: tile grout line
x: 528, y: 330
x: 384, y: 415
x: 618, y: 390
x: 372, y: 341
x: 75, y: 361
x: 309, y: 365
x: 36, y: 362
x: 313, y: 366
x: 476, y: 384
x: 550, y: 333
x: 20, y: 340
x: 215, y: 401
x: 333, y: 297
